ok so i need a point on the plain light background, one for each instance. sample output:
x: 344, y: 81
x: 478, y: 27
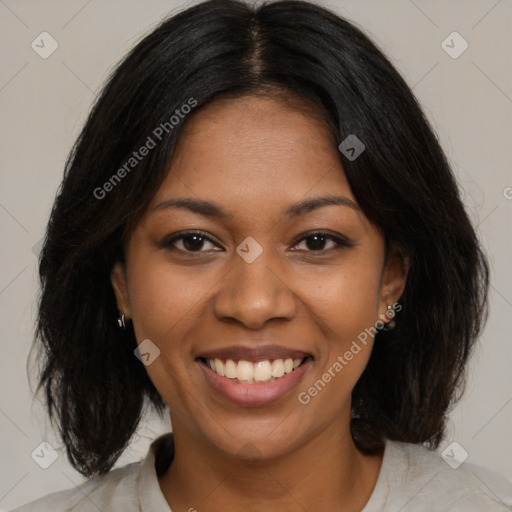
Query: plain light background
x: 44, y: 102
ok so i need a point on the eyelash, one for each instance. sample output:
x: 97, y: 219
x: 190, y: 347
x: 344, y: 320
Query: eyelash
x: 340, y: 241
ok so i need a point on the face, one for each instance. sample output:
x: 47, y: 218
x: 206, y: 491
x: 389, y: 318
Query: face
x: 239, y: 259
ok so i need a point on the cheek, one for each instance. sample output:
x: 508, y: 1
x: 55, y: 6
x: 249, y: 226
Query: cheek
x: 163, y: 298
x: 345, y: 299
x: 357, y: 299
x: 345, y: 303
x: 165, y: 306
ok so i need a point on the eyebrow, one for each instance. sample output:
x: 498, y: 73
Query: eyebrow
x: 213, y: 210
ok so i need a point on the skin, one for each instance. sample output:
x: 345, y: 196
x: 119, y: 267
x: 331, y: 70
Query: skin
x: 254, y: 157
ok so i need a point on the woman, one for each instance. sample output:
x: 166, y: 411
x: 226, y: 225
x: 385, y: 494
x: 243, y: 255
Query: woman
x: 258, y: 229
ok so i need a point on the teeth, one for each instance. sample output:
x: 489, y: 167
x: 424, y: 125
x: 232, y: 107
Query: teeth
x: 262, y: 371
x: 219, y: 367
x: 244, y: 370
x: 248, y: 372
x: 278, y: 368
x: 230, y: 369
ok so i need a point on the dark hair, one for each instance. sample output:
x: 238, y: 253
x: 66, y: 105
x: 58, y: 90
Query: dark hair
x: 95, y: 389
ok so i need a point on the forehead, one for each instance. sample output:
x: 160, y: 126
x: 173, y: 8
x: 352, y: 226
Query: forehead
x: 256, y: 149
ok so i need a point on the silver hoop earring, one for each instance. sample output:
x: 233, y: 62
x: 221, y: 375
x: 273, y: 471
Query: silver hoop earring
x: 121, y: 321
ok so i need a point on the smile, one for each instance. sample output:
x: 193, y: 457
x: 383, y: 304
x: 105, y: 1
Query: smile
x: 257, y: 380
x: 247, y: 372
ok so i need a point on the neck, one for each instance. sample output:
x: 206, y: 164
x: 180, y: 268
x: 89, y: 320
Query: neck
x: 327, y: 473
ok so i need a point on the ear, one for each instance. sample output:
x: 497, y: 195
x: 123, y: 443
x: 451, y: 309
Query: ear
x: 118, y: 280
x: 394, y: 277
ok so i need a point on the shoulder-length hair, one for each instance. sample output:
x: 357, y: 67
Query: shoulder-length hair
x: 94, y: 387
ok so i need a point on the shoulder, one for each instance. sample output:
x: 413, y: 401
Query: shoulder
x: 112, y: 492
x: 130, y: 488
x: 419, y: 479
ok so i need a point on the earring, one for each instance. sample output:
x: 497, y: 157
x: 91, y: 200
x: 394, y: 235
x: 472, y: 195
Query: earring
x: 120, y: 321
x: 391, y: 324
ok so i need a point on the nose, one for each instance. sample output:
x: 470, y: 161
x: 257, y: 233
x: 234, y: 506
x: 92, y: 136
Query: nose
x: 254, y: 293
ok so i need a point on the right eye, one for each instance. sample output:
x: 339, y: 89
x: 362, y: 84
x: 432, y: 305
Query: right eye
x: 189, y: 241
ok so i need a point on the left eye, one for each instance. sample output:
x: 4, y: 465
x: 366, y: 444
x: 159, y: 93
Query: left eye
x: 317, y: 241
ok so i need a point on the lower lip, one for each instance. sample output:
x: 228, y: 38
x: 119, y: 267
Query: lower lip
x: 254, y: 395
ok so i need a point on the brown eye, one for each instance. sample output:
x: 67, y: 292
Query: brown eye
x: 189, y: 242
x: 192, y: 242
x: 317, y: 241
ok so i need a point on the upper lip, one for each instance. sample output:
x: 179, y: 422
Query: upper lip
x: 254, y: 354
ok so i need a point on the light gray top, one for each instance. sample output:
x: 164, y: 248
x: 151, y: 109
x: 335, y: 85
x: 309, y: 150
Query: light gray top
x: 411, y: 479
